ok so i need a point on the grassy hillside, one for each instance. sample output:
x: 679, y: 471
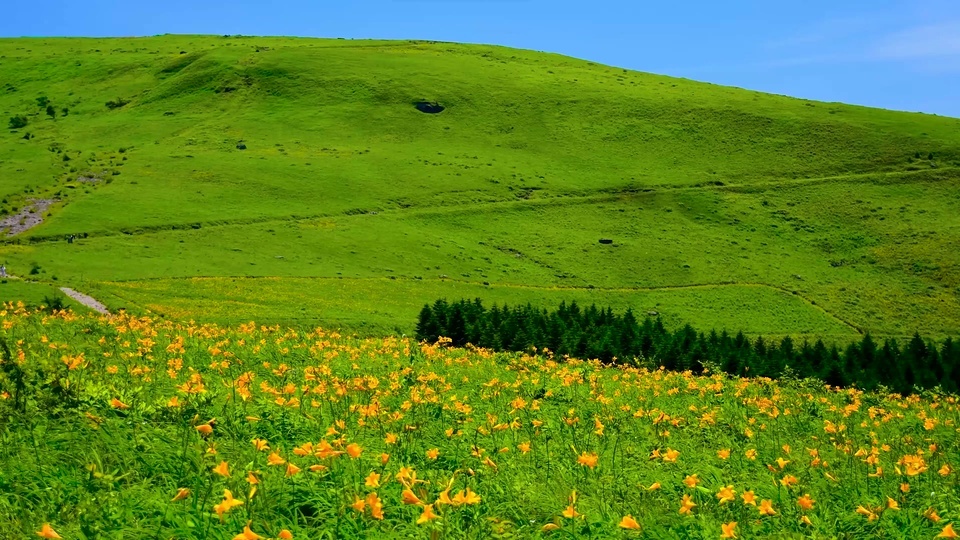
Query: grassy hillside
x: 135, y: 427
x: 294, y: 180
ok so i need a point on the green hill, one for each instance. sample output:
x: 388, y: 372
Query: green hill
x: 294, y: 180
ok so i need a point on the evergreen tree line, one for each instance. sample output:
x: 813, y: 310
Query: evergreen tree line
x: 599, y: 333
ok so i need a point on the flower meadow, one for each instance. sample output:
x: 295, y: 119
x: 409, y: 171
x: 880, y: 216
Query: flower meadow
x: 132, y: 427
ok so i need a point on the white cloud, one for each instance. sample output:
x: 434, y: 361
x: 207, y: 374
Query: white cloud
x: 921, y: 42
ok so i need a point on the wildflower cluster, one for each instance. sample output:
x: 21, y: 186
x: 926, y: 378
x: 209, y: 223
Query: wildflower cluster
x: 188, y: 430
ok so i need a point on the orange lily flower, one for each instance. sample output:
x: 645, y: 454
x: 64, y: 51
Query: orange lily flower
x: 222, y: 469
x: 629, y: 523
x: 687, y: 505
x: 46, y: 531
x: 588, y: 459
x: 354, y: 450
x: 247, y: 534
x: 948, y: 532
x: 427, y: 515
x: 409, y: 497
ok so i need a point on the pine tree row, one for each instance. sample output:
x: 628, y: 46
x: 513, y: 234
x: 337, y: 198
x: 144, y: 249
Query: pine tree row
x: 602, y: 334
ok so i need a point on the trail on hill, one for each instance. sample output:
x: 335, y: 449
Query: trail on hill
x: 86, y: 300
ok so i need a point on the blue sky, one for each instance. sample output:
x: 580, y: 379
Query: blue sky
x: 893, y: 54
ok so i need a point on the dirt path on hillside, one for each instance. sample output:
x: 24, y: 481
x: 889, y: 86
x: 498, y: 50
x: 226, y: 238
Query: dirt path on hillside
x: 28, y: 217
x: 86, y: 300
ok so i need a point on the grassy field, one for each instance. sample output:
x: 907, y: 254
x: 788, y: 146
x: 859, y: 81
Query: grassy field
x: 142, y: 428
x: 35, y: 294
x: 349, y: 207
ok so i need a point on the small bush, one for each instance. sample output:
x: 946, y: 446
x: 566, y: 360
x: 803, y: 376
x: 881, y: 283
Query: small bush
x: 55, y: 303
x: 17, y: 122
x: 116, y: 104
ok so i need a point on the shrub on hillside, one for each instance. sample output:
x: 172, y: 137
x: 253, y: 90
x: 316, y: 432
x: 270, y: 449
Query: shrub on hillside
x: 17, y: 122
x: 117, y: 103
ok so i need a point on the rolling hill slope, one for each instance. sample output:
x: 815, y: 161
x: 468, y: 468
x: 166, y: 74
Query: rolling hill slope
x: 294, y: 180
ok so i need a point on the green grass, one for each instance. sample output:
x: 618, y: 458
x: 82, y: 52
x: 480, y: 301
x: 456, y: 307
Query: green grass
x: 34, y: 294
x: 822, y: 217
x: 375, y: 305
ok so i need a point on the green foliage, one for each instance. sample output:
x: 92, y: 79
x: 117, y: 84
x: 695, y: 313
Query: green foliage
x: 17, y: 122
x: 570, y: 331
x: 117, y: 103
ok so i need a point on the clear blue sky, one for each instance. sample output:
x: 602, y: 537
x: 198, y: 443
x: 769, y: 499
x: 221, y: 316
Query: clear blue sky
x: 898, y: 54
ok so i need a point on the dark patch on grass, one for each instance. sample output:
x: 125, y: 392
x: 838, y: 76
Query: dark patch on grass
x: 429, y: 107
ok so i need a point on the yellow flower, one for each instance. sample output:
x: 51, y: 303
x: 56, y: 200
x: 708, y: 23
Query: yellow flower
x: 275, y: 459
x: 226, y: 504
x: 654, y: 486
x: 945, y: 470
x: 766, y: 508
x: 373, y: 480
x: 571, y: 512
x: 751, y: 454
x: 117, y: 404
x: 358, y: 504
x: 691, y: 481
x: 285, y: 535
x: 182, y: 494
x: 726, y: 494
x: 892, y: 504
x: 932, y: 515
x: 524, y: 447
x: 427, y: 515
x: 948, y: 532
x: 222, y: 469
x: 728, y: 530
x: 354, y: 450
x: 433, y: 453
x: 749, y: 498
x: 260, y: 444
x: 291, y: 470
x: 723, y: 454
x: 864, y: 512
x: 247, y: 534
x: 670, y: 456
x: 466, y: 497
x: 46, y: 531
x: 687, y: 504
x: 629, y: 523
x: 204, y: 429
x: 588, y: 459
x: 409, y: 497
x: 805, y: 502
x: 376, y: 506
